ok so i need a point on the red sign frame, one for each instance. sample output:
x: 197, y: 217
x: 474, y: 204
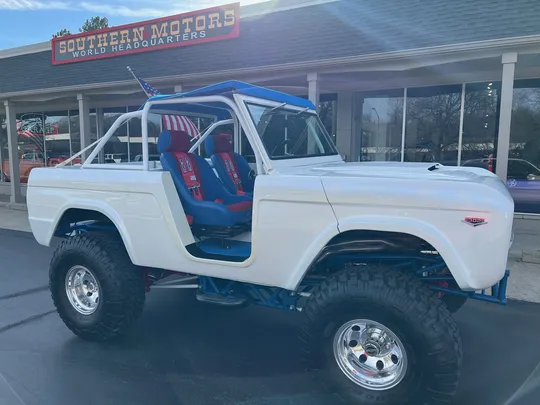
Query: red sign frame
x: 89, y: 38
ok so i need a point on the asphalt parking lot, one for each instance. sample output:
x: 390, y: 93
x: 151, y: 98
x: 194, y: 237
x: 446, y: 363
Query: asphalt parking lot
x: 183, y: 352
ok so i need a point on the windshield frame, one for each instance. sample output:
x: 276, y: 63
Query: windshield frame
x: 246, y: 101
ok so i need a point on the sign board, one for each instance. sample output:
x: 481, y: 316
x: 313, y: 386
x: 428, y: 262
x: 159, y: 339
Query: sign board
x: 212, y: 24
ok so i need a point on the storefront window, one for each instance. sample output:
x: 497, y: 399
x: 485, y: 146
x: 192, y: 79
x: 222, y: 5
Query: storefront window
x: 327, y: 114
x: 117, y: 148
x: 4, y: 154
x: 432, y: 131
x: 75, y: 129
x: 523, y: 179
x: 57, y: 138
x: 135, y: 136
x: 480, y: 125
x: 381, y: 125
x: 31, y: 130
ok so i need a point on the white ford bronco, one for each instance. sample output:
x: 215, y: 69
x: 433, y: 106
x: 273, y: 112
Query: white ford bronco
x: 259, y: 208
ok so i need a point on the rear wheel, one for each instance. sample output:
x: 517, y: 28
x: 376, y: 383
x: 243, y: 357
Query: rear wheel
x: 96, y: 289
x: 378, y: 336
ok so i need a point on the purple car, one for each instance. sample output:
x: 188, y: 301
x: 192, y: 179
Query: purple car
x: 523, y: 182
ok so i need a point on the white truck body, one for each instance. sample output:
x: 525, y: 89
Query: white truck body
x: 299, y: 205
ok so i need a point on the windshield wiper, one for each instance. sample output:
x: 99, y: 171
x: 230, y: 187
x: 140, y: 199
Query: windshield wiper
x: 302, y: 111
x: 276, y: 107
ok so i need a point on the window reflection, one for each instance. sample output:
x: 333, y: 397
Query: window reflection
x: 117, y: 149
x: 432, y: 131
x: 135, y: 136
x: 480, y: 124
x: 31, y: 132
x: 381, y: 125
x: 57, y: 139
x: 523, y: 179
x: 4, y: 154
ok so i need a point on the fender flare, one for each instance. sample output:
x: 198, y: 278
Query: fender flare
x: 102, y: 208
x: 411, y: 226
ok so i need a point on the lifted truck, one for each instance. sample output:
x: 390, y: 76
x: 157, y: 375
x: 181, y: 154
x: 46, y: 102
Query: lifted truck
x: 373, y: 256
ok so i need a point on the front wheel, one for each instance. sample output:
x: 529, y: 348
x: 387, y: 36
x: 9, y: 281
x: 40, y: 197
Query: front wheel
x: 96, y: 289
x: 378, y: 336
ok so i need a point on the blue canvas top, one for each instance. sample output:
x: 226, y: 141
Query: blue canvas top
x: 227, y: 89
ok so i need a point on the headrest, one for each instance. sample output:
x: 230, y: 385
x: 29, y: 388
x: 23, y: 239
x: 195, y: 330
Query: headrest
x: 218, y: 144
x: 173, y: 141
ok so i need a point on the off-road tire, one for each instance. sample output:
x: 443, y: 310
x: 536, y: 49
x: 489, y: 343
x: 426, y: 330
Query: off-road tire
x: 121, y: 284
x: 400, y: 302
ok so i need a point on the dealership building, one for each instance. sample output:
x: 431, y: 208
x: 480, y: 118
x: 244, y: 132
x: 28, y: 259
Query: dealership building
x: 454, y: 81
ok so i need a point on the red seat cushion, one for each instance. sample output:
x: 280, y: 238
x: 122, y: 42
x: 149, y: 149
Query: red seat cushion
x: 241, y: 206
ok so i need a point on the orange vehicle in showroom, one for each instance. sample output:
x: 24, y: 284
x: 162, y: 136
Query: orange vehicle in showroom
x: 31, y: 159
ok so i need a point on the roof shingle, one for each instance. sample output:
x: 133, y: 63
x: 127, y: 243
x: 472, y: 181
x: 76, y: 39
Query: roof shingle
x: 330, y: 30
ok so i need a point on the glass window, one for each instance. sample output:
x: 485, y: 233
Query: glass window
x: 75, y: 132
x: 4, y: 153
x: 480, y: 122
x: 288, y: 133
x: 57, y: 136
x: 135, y: 136
x: 75, y: 129
x: 327, y: 114
x: 117, y: 148
x: 523, y: 178
x: 525, y: 130
x: 432, y: 131
x: 381, y: 125
x: 31, y: 143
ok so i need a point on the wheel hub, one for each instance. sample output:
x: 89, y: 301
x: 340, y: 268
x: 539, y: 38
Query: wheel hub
x: 82, y: 290
x: 370, y: 354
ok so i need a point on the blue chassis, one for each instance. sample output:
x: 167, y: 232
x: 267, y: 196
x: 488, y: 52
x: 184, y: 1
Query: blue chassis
x: 288, y: 300
x: 422, y: 265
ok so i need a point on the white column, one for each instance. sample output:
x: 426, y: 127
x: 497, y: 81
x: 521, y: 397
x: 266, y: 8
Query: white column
x: 345, y: 124
x: 14, y: 172
x: 178, y: 88
x: 84, y: 123
x: 313, y: 88
x: 505, y: 114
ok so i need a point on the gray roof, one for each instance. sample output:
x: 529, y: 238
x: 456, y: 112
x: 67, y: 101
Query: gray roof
x: 330, y: 30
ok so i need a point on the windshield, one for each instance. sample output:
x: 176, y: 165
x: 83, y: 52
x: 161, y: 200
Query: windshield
x: 288, y: 133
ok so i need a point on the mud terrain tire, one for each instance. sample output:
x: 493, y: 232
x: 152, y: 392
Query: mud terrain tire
x: 404, y: 305
x: 120, y: 283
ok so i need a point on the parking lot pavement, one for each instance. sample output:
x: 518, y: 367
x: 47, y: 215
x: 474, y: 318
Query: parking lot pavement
x: 184, y: 352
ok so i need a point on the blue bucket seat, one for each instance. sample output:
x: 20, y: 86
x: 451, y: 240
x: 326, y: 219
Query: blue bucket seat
x: 206, y: 201
x: 233, y: 170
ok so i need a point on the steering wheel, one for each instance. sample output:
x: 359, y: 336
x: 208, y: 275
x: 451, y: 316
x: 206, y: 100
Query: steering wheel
x: 283, y: 143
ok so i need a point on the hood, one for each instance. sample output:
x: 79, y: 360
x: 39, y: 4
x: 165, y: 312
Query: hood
x: 404, y: 171
x: 388, y: 182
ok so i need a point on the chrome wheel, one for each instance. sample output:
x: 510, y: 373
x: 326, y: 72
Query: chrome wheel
x: 370, y: 354
x: 82, y: 290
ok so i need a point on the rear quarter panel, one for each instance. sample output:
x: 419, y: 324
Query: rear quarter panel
x: 292, y: 220
x: 139, y: 204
